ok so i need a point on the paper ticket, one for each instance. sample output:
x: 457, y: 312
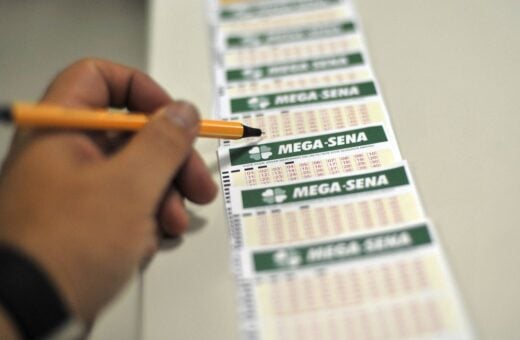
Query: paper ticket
x: 384, y: 284
x: 301, y: 146
x: 284, y: 36
x: 332, y: 251
x: 297, y: 82
x: 374, y: 156
x: 354, y: 93
x: 302, y: 121
x: 324, y: 219
x: 240, y: 58
x: 309, y: 66
x: 337, y: 188
x: 320, y: 155
x: 269, y: 8
x: 331, y: 13
x: 290, y: 74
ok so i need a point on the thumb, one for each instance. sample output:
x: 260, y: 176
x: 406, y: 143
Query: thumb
x: 156, y: 153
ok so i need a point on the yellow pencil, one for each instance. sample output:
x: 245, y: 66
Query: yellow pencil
x: 51, y: 116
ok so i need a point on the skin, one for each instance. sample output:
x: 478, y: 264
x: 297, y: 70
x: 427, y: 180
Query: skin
x: 89, y: 207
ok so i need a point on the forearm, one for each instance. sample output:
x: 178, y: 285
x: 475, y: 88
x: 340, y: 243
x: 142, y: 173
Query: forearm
x: 8, y: 330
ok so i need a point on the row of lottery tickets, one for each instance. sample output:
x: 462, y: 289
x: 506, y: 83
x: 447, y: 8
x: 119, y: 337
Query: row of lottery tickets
x: 328, y: 235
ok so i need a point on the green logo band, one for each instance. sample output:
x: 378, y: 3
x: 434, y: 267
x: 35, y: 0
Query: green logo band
x: 309, y: 145
x: 260, y: 10
x: 274, y: 38
x: 342, y: 250
x: 295, y: 98
x: 325, y: 188
x: 305, y: 66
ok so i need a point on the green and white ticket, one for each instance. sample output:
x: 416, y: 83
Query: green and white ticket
x: 338, y: 250
x: 326, y: 118
x: 318, y: 64
x: 288, y: 52
x: 324, y: 219
x: 382, y: 284
x: 301, y: 147
x: 341, y: 10
x: 289, y: 36
x: 354, y: 93
x: 296, y: 82
x: 337, y: 188
x: 270, y: 8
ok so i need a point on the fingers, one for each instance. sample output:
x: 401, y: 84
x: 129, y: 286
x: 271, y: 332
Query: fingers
x: 95, y: 83
x: 99, y: 83
x: 155, y: 154
x: 195, y: 181
x: 173, y: 216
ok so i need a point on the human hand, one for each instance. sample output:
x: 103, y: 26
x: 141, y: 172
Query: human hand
x: 90, y: 218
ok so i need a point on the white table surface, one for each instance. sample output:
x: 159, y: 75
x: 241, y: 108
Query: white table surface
x: 448, y: 71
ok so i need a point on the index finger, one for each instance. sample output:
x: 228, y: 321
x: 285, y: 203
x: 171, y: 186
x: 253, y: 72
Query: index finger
x: 95, y: 83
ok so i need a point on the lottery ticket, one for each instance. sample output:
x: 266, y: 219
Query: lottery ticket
x: 320, y: 220
x: 328, y: 235
x: 316, y: 155
x: 298, y: 82
x: 241, y: 58
x: 307, y: 167
x: 324, y: 118
x: 304, y: 33
x: 335, y: 188
x: 378, y: 285
x: 291, y: 74
x: 236, y: 77
x: 236, y: 10
x: 339, y: 11
x: 354, y: 93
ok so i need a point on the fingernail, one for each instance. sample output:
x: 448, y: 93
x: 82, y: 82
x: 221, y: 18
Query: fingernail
x: 184, y: 116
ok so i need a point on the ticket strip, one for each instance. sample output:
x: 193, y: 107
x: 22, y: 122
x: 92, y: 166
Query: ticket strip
x: 329, y: 238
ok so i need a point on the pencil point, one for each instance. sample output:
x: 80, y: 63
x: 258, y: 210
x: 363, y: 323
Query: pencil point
x: 5, y: 113
x: 251, y: 132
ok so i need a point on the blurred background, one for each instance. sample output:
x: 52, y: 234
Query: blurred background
x: 449, y: 73
x: 40, y: 38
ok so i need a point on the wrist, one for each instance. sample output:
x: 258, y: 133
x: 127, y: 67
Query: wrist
x: 31, y: 299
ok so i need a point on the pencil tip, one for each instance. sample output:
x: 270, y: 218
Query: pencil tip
x: 251, y: 132
x: 5, y: 113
